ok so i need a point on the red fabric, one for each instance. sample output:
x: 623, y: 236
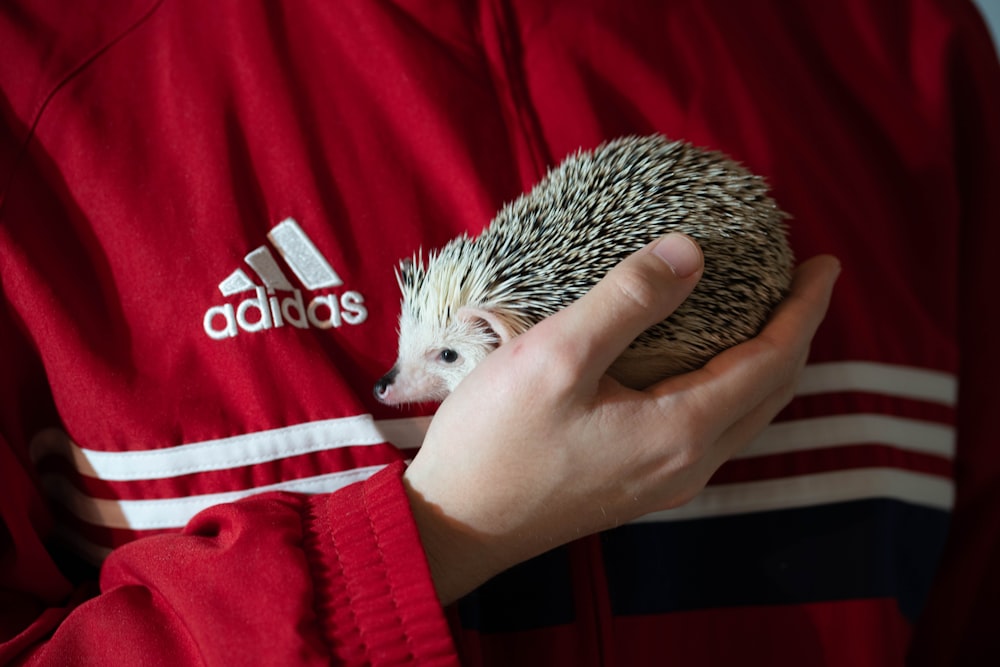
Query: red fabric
x: 812, y: 635
x: 146, y: 147
x: 277, y: 579
x: 960, y: 625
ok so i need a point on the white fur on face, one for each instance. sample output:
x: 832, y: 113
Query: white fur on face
x: 424, y: 371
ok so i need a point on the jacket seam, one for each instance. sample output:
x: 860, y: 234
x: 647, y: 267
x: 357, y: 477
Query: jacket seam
x: 74, y: 70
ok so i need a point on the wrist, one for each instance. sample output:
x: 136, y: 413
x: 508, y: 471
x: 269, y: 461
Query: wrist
x: 460, y: 559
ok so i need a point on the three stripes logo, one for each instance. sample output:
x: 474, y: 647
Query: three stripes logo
x: 275, y: 302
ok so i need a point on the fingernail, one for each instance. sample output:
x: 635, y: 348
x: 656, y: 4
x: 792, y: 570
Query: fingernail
x: 680, y: 252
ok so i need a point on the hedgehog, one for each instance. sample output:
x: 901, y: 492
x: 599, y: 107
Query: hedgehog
x: 548, y: 247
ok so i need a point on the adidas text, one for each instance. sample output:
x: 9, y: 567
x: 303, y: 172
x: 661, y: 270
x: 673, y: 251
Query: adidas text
x: 272, y: 311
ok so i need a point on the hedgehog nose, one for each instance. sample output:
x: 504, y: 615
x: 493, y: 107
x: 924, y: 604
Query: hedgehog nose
x: 384, y: 382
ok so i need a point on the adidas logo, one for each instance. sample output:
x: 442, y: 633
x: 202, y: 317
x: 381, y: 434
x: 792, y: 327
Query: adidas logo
x: 277, y: 302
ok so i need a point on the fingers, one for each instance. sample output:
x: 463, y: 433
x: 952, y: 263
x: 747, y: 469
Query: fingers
x: 643, y: 289
x: 753, y: 381
x: 798, y: 317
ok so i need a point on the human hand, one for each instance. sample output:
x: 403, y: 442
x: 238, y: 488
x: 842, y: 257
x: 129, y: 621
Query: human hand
x: 538, y: 447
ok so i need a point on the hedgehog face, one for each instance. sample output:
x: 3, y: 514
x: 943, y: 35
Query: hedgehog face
x: 434, y: 357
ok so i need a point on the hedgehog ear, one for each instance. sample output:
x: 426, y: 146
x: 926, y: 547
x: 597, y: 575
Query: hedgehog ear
x: 488, y: 320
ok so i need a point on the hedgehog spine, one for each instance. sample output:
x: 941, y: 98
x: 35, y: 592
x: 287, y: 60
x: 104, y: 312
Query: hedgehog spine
x: 548, y: 247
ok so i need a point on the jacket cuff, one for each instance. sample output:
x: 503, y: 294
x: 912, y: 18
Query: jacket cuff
x: 375, y: 597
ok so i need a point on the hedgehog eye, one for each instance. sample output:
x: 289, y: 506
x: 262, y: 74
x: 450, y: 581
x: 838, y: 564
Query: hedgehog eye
x: 448, y: 356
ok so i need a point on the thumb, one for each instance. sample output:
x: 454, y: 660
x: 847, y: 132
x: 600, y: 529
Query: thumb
x: 643, y: 289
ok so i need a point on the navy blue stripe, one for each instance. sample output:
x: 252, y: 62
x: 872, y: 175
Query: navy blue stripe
x: 535, y: 594
x: 857, y: 550
x: 863, y: 549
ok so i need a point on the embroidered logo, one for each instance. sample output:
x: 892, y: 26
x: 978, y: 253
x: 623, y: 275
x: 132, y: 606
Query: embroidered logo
x: 276, y: 302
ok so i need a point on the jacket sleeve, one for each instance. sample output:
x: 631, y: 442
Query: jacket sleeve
x: 270, y: 580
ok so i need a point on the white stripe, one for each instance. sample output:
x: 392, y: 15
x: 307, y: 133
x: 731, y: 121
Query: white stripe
x: 232, y: 452
x: 811, y: 490
x: 305, y: 260
x: 819, y: 432
x: 265, y: 446
x: 722, y: 500
x: 891, y: 380
x: 362, y: 430
x: 176, y: 512
x: 262, y: 261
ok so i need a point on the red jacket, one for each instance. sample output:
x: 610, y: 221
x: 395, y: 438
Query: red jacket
x: 201, y: 205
